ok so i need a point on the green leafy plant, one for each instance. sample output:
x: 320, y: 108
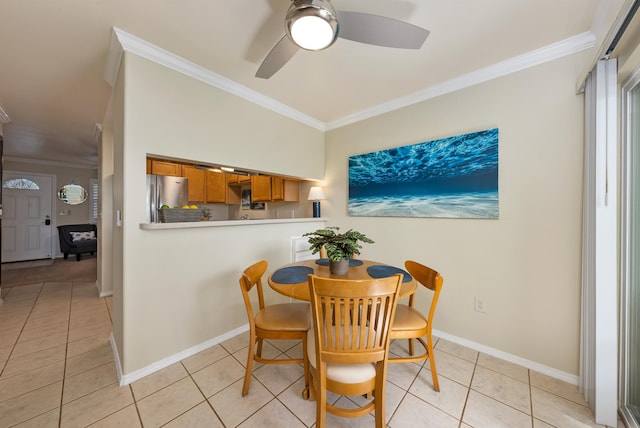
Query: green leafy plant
x: 205, y: 213
x: 339, y: 246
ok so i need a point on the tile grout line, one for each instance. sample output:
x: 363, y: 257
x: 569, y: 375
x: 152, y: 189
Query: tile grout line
x: 254, y: 379
x: 4, y: 366
x: 277, y: 397
x: 135, y: 404
x: 110, y: 363
x: 502, y: 402
x: 206, y: 400
x: 530, y: 397
x: 66, y: 352
x: 466, y: 399
x: 38, y: 295
x: 87, y: 370
x: 62, y: 386
x: 406, y: 392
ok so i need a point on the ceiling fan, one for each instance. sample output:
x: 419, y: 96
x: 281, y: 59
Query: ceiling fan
x: 315, y: 25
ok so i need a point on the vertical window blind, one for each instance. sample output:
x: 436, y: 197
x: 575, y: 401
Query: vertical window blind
x: 94, y: 194
x: 599, y: 346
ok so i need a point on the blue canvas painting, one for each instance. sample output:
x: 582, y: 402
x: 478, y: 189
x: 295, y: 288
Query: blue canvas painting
x: 455, y: 177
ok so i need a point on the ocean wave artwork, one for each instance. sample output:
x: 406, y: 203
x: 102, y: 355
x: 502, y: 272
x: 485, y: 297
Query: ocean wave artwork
x: 454, y: 177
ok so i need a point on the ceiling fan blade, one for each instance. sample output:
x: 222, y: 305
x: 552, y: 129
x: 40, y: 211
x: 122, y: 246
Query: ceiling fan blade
x: 281, y: 53
x: 380, y: 30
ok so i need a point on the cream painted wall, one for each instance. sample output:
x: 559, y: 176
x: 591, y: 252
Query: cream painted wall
x: 526, y: 264
x: 191, y: 120
x: 176, y: 289
x: 117, y: 122
x: 63, y: 175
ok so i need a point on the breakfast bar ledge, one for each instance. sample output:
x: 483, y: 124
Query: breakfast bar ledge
x: 220, y: 223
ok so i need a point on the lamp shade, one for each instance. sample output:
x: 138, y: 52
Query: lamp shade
x: 316, y: 194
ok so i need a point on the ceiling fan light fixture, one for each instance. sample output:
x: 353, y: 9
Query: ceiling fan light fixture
x: 312, y: 24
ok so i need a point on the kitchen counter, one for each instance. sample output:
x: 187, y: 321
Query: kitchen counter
x: 224, y: 223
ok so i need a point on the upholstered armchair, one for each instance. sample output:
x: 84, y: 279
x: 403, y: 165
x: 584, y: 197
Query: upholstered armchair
x: 78, y: 239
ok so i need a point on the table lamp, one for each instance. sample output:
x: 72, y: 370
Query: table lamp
x: 316, y: 194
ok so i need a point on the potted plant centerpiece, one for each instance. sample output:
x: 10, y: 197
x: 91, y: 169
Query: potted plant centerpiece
x: 340, y: 247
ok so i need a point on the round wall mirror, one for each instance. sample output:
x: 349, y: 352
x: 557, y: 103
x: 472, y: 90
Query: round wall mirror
x: 72, y: 194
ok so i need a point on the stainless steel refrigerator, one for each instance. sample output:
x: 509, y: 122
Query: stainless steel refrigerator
x: 165, y: 190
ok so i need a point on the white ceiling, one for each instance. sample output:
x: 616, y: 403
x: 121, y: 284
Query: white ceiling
x: 53, y: 55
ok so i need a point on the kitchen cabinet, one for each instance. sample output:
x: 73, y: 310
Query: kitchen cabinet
x: 233, y: 190
x: 231, y: 178
x: 260, y: 188
x: 216, y: 188
x: 226, y: 188
x: 240, y: 179
x: 284, y: 190
x: 277, y: 188
x: 291, y: 191
x: 162, y: 167
x: 197, y: 183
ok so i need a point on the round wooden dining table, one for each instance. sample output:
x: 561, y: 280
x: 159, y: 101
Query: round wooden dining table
x: 291, y: 280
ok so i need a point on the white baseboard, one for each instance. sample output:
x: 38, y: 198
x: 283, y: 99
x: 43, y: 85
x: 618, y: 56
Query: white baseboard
x: 102, y: 293
x: 128, y: 378
x: 116, y: 357
x: 166, y: 362
x: 532, y: 365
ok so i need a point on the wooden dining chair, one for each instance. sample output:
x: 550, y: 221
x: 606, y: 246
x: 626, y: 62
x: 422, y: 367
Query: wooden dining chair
x: 410, y: 324
x: 349, y: 342
x: 288, y: 321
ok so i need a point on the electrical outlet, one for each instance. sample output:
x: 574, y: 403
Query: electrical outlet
x: 480, y: 305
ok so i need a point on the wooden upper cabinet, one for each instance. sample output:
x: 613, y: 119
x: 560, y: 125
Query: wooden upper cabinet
x: 283, y: 189
x: 162, y: 167
x: 234, y: 196
x: 196, y: 182
x: 231, y: 178
x: 226, y: 188
x: 260, y: 188
x: 233, y: 189
x: 216, y: 187
x: 277, y: 188
x: 291, y: 191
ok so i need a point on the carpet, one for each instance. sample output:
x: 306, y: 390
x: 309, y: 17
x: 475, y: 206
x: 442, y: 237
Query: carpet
x: 60, y: 270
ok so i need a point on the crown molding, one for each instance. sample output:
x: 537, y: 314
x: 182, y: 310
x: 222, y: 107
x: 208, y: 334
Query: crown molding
x: 114, y: 58
x: 97, y: 133
x: 50, y: 162
x: 122, y: 41
x: 548, y: 53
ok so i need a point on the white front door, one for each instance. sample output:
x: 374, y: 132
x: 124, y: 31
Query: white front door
x: 26, y: 217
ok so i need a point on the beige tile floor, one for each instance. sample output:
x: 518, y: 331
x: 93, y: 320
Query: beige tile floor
x: 57, y: 370
x: 27, y: 264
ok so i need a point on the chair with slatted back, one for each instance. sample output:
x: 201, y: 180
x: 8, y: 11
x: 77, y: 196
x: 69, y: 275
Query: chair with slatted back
x: 410, y: 324
x: 284, y: 321
x: 349, y: 342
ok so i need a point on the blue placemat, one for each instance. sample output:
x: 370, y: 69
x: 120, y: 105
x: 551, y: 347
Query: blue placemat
x: 291, y: 274
x: 382, y: 271
x: 352, y: 262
